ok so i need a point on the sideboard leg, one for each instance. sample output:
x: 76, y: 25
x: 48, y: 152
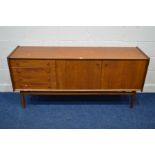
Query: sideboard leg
x: 22, y: 100
x: 132, y: 99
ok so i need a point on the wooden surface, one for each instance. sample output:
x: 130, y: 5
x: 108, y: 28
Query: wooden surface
x: 26, y: 52
x: 77, y: 74
x: 123, y: 74
x: 33, y: 74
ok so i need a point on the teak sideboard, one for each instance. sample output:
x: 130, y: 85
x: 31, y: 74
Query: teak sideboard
x: 78, y: 70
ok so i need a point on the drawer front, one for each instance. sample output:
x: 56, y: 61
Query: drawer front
x: 30, y: 63
x: 32, y: 85
x: 32, y: 72
x: 31, y: 78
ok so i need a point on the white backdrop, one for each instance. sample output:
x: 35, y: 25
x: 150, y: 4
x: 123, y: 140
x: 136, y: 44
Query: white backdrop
x: 10, y: 37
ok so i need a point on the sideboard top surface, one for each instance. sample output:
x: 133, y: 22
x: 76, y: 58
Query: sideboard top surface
x: 36, y: 52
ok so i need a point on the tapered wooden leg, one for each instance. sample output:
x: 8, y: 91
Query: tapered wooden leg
x: 132, y: 100
x: 22, y: 100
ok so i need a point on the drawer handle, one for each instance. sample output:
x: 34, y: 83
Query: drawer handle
x: 26, y: 85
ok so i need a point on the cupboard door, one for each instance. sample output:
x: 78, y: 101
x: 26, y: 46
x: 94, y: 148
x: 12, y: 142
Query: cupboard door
x: 78, y: 74
x: 123, y: 74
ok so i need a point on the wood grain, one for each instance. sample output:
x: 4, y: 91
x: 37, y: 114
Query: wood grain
x: 29, y: 63
x: 76, y: 74
x: 29, y: 52
x: 123, y: 74
x: 32, y: 74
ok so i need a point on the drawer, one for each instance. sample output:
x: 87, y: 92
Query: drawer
x: 32, y: 85
x: 30, y: 72
x: 30, y: 63
x: 31, y: 78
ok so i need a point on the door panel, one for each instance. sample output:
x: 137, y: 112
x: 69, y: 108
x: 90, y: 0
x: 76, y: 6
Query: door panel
x: 123, y: 74
x: 78, y: 74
